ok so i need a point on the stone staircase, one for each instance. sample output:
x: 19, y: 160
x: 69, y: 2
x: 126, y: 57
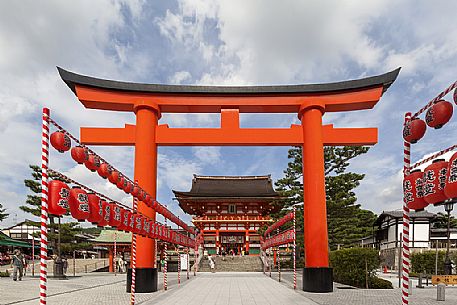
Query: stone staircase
x: 233, y: 264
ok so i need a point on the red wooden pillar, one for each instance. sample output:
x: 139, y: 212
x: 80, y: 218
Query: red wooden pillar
x: 317, y: 276
x: 147, y: 116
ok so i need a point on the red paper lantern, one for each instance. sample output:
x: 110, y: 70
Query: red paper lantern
x: 128, y: 187
x: 124, y: 220
x: 146, y: 227
x: 115, y: 215
x: 60, y: 141
x: 141, y: 195
x: 93, y: 162
x: 79, y: 154
x: 414, y: 130
x: 95, y: 208
x: 413, y: 190
x: 114, y: 177
x: 120, y: 183
x: 131, y: 227
x: 138, y: 229
x: 450, y: 189
x: 435, y: 181
x: 79, y: 204
x: 135, y: 191
x: 439, y: 114
x: 155, y: 230
x: 104, y: 170
x: 152, y: 229
x: 106, y: 208
x: 148, y: 200
x: 59, y: 193
x: 155, y: 205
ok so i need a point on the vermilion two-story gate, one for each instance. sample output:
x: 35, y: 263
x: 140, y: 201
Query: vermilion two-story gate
x: 310, y: 102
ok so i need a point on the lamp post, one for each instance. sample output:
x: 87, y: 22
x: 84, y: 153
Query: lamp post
x: 448, y: 207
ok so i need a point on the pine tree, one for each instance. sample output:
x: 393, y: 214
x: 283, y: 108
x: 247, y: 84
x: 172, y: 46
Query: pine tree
x: 3, y: 214
x: 347, y: 222
x: 33, y: 206
x: 440, y: 221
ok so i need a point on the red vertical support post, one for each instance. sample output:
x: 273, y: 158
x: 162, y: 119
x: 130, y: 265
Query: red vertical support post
x: 405, y: 240
x: 317, y: 276
x: 44, y: 205
x: 147, y: 116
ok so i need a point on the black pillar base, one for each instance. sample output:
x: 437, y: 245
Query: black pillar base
x: 146, y: 280
x: 318, y: 279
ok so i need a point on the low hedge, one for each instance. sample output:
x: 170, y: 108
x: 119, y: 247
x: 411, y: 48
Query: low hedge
x: 4, y: 274
x: 357, y: 267
x: 425, y: 262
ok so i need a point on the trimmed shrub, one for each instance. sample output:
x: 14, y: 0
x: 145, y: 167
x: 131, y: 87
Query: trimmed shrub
x: 356, y: 267
x: 4, y: 274
x: 378, y: 283
x: 425, y: 262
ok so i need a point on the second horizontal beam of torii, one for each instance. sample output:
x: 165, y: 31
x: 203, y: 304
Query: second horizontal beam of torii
x: 229, y: 134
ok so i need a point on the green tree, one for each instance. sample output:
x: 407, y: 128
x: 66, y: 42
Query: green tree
x: 440, y: 221
x: 33, y: 206
x: 347, y: 222
x: 3, y: 214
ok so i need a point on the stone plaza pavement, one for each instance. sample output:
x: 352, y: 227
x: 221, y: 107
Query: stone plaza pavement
x: 207, y: 288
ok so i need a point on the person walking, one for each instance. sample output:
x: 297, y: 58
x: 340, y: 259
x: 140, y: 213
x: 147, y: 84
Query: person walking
x: 17, y: 263
x: 65, y: 265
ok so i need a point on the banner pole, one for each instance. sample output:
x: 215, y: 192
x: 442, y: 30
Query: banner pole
x: 44, y: 205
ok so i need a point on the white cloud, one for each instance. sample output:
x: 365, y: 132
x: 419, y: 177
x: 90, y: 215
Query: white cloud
x: 207, y: 154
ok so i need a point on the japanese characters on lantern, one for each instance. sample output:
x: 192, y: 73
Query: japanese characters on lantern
x: 79, y: 204
x: 59, y: 194
x: 413, y: 190
x: 435, y: 181
x: 60, y: 141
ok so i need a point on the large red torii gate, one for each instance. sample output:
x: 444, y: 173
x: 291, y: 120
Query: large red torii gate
x: 310, y: 102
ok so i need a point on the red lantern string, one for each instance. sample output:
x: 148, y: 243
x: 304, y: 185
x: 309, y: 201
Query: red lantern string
x: 434, y: 156
x: 433, y: 101
x: 102, y: 160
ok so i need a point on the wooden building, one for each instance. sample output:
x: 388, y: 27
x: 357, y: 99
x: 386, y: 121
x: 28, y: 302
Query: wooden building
x: 229, y: 210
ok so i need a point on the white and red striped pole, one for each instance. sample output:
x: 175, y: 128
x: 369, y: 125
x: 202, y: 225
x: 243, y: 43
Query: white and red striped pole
x: 405, y: 241
x: 294, y: 259
x: 270, y: 264
x: 279, y: 264
x: 132, y: 287
x: 33, y: 255
x: 44, y: 206
x: 115, y: 253
x: 188, y: 262
x: 179, y: 259
x: 165, y: 258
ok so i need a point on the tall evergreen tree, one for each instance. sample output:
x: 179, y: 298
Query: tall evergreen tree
x: 347, y: 222
x: 440, y: 221
x: 33, y: 206
x: 3, y: 214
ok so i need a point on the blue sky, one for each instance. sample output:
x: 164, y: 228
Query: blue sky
x: 220, y: 43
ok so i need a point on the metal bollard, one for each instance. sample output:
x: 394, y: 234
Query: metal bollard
x: 440, y: 292
x: 410, y: 287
